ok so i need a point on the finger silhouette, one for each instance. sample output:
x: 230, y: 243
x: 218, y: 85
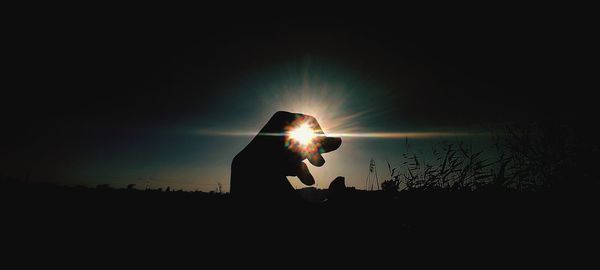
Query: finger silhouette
x: 329, y: 144
x: 316, y: 159
x: 304, y: 175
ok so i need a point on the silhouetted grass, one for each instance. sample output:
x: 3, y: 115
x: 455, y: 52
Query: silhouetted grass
x: 527, y: 158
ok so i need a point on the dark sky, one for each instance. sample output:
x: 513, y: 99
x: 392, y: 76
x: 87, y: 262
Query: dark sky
x: 99, y: 98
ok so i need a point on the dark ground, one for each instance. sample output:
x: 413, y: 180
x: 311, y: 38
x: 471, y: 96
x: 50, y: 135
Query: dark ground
x: 52, y: 225
x: 46, y: 209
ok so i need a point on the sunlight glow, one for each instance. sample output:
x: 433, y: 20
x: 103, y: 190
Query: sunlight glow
x: 339, y: 107
x: 360, y: 135
x: 303, y: 134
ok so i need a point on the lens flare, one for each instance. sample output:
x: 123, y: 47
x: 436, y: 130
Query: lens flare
x: 303, y: 134
x: 303, y: 137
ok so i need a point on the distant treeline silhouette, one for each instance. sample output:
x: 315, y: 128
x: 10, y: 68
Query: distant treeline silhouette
x: 15, y: 185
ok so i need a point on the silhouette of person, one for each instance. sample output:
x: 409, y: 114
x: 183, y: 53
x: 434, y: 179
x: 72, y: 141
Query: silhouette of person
x: 259, y: 172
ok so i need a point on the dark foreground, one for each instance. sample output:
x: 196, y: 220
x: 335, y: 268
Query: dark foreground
x: 47, y: 223
x: 52, y: 211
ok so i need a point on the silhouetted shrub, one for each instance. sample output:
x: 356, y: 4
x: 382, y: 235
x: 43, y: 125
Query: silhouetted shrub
x: 528, y: 158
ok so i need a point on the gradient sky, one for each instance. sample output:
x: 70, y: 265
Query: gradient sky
x: 119, y: 103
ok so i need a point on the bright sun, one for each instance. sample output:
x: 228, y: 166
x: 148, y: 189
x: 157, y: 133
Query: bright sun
x: 303, y: 134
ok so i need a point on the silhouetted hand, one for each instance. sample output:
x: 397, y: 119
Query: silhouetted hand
x: 259, y: 171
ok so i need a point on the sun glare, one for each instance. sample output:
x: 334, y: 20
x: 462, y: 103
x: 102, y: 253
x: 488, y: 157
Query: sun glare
x: 303, y: 134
